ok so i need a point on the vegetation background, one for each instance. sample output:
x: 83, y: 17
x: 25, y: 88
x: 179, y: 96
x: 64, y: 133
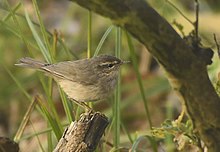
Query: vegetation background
x: 55, y: 31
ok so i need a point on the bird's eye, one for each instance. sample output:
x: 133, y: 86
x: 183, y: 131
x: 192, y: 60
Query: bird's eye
x: 110, y: 65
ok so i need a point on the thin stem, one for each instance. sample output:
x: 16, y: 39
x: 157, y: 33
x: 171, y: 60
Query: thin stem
x: 43, y: 31
x: 25, y: 120
x: 179, y: 11
x: 101, y: 42
x: 134, y: 61
x: 13, y: 10
x: 197, y: 21
x: 117, y: 93
x: 40, y: 144
x: 217, y: 45
x: 15, y: 20
x: 89, y: 40
x: 89, y: 34
x: 49, y: 139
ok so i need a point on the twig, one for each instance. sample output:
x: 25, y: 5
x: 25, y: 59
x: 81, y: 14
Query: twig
x: 178, y: 10
x: 217, y: 45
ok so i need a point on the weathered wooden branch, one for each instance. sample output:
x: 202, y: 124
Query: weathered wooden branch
x: 186, y: 68
x: 83, y: 135
x: 7, y: 145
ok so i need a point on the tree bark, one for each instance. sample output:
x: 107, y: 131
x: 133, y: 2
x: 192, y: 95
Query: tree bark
x: 187, y: 69
x: 8, y: 145
x: 83, y: 135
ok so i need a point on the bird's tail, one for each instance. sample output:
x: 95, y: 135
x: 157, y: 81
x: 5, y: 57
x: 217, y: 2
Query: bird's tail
x: 30, y: 63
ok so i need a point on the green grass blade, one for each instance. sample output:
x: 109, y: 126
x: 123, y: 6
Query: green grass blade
x: 49, y: 140
x: 46, y: 54
x: 54, y: 124
x: 48, y: 91
x: 17, y: 34
x: 43, y: 83
x: 101, y: 42
x: 18, y: 84
x: 134, y: 61
x: 24, y: 122
x: 156, y: 86
x: 89, y: 41
x: 38, y: 39
x: 141, y: 138
x: 65, y: 105
x: 52, y: 121
x: 127, y: 132
x: 89, y: 34
x: 13, y: 10
x: 116, y: 108
x: 44, y: 32
x: 14, y: 18
x: 54, y: 45
x: 108, y: 134
x: 44, y: 131
x: 25, y: 137
x: 20, y: 34
x: 38, y: 140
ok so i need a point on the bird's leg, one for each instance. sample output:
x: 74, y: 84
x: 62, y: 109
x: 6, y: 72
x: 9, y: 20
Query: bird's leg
x: 83, y: 105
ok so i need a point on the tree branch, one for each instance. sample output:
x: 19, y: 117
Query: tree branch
x: 186, y: 69
x: 83, y: 135
x: 8, y: 145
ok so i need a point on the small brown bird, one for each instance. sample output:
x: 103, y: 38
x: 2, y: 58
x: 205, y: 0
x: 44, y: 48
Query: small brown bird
x: 82, y: 80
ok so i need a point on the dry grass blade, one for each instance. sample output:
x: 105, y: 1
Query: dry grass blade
x: 24, y: 122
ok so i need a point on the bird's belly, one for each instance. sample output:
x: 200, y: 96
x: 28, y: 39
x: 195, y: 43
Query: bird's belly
x: 84, y: 93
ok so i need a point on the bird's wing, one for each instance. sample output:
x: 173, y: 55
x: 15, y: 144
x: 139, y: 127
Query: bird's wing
x: 75, y: 71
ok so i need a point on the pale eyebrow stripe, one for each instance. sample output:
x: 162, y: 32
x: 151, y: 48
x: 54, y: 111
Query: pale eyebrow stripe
x: 114, y: 62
